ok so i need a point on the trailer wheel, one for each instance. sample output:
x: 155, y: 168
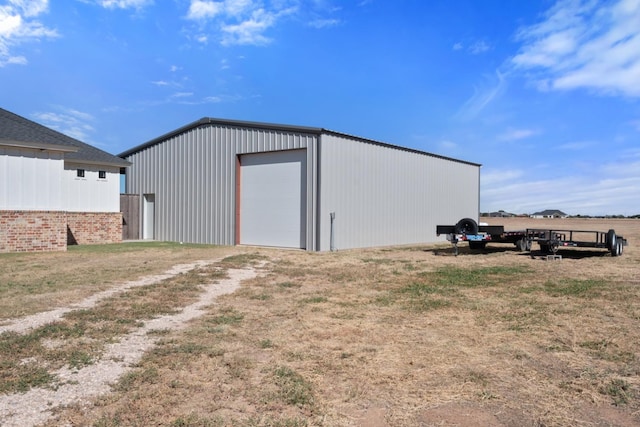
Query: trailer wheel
x: 618, y: 249
x: 612, y: 241
x: 466, y: 226
x: 523, y: 245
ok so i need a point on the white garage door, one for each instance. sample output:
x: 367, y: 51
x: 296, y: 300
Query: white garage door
x: 273, y: 199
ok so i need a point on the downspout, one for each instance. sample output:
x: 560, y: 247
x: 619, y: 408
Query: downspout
x: 332, y: 238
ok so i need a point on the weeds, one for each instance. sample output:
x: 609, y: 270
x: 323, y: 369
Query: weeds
x: 587, y: 288
x: 619, y: 391
x: 20, y: 377
x: 228, y: 317
x: 137, y: 377
x: 440, y: 289
x: 293, y: 389
x: 241, y: 260
x: 480, y: 277
x: 315, y: 300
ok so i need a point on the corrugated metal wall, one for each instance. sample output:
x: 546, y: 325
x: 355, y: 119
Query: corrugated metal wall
x: 389, y: 196
x: 193, y: 177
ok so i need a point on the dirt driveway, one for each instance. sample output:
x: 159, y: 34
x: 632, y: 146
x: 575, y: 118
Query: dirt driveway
x: 379, y: 337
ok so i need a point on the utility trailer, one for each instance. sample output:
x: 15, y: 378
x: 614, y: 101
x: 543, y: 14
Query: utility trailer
x: 468, y: 230
x: 549, y: 240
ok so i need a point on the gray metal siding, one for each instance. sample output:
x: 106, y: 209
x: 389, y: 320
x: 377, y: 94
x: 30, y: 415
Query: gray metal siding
x: 193, y: 176
x: 386, y: 196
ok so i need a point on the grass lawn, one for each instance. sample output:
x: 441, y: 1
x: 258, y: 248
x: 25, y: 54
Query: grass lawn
x: 378, y: 337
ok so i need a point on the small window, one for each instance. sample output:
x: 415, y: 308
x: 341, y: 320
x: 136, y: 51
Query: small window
x: 102, y: 174
x: 80, y: 173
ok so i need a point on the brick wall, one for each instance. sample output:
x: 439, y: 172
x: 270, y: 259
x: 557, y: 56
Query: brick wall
x: 22, y: 231
x: 93, y: 227
x: 37, y: 231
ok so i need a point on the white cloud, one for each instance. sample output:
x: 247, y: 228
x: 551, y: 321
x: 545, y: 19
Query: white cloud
x: 324, y: 23
x: 199, y: 10
x: 528, y: 191
x: 238, y: 7
x: 575, y: 146
x: 517, y: 134
x: 584, y: 44
x: 182, y: 95
x: 68, y: 121
x: 479, y: 47
x: 19, y: 26
x: 448, y: 145
x: 250, y: 31
x: 492, y: 87
x: 237, y: 22
x: 457, y: 46
x: 125, y: 4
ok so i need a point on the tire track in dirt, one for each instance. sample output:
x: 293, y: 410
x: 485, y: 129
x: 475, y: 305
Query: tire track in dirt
x: 24, y: 324
x: 81, y: 386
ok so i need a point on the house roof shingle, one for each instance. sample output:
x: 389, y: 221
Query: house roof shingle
x: 17, y: 130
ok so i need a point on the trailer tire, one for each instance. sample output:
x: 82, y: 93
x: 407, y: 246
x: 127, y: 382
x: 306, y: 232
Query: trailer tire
x: 523, y: 245
x: 612, y: 243
x: 618, y: 249
x: 466, y: 226
x: 549, y: 248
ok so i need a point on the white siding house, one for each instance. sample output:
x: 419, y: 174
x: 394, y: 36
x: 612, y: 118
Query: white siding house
x: 44, y: 202
x: 231, y: 182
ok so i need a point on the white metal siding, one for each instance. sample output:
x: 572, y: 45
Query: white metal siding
x: 193, y: 177
x: 273, y: 199
x: 31, y: 179
x: 91, y: 194
x: 388, y: 196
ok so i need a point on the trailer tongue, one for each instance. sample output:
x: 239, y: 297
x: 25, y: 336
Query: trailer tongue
x: 549, y: 240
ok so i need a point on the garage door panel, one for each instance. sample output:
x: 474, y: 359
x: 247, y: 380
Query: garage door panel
x: 273, y: 199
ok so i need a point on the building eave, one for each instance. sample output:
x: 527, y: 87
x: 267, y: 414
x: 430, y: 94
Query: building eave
x: 279, y: 127
x: 38, y: 146
x: 123, y: 163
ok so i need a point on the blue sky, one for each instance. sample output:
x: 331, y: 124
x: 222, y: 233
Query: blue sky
x: 544, y: 94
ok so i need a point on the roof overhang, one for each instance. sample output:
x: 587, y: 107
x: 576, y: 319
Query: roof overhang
x: 37, y: 146
x: 124, y: 163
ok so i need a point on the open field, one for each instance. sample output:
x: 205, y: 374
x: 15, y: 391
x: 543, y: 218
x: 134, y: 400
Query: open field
x: 409, y: 336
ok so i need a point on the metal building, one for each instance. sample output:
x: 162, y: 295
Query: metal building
x: 232, y: 182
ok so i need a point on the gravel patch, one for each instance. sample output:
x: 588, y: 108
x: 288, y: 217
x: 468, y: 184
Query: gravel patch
x: 23, y: 324
x: 80, y: 386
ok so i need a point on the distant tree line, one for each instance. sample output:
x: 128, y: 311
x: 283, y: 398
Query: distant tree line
x: 505, y: 214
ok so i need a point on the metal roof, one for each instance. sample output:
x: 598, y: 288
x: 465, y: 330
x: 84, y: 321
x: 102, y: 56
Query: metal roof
x: 18, y: 131
x: 272, y: 126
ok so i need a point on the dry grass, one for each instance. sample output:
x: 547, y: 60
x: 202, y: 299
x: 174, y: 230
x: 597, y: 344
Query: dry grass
x: 31, y: 283
x: 400, y: 337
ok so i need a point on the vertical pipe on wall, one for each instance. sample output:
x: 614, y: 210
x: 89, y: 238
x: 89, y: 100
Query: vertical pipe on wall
x: 332, y: 237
